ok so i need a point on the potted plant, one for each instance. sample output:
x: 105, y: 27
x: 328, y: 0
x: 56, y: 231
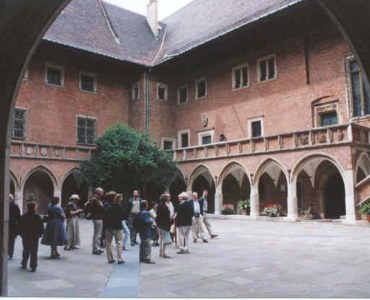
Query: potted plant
x: 227, y: 209
x: 245, y: 206
x: 272, y: 209
x: 364, y: 210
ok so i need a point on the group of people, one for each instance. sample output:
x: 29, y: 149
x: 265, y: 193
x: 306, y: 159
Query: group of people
x: 113, y: 218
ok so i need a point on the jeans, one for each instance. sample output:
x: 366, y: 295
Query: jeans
x: 133, y: 233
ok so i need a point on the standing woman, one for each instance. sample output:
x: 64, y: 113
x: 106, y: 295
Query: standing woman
x: 73, y: 229
x: 164, y: 223
x: 55, y: 233
x: 153, y: 215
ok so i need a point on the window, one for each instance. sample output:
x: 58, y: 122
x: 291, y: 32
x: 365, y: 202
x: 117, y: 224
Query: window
x: 328, y: 119
x: 255, y: 127
x: 201, y: 88
x: 54, y: 75
x: 205, y: 137
x: 360, y: 101
x: 267, y: 68
x: 19, y: 123
x: 86, y: 128
x: 184, y: 137
x: 135, y: 91
x: 240, y: 77
x: 168, y: 143
x: 182, y: 94
x: 162, y: 91
x: 88, y: 82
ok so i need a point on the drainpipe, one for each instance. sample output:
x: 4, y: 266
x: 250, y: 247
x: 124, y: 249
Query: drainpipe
x: 147, y: 78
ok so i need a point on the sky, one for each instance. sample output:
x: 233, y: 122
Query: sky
x: 165, y: 7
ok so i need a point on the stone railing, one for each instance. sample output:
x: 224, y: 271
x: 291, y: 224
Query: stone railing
x: 20, y: 149
x: 318, y: 137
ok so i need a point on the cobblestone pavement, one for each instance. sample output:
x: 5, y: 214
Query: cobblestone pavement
x: 249, y: 259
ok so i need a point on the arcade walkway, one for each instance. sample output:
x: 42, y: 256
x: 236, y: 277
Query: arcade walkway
x: 250, y: 259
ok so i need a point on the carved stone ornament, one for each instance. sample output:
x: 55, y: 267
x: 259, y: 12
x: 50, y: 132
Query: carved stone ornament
x: 304, y: 139
x: 321, y: 137
x: 340, y: 135
x: 327, y: 108
x: 58, y: 152
x: 29, y: 150
x: 204, y: 121
x: 43, y: 151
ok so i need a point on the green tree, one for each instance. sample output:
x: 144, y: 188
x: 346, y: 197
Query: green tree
x: 125, y: 159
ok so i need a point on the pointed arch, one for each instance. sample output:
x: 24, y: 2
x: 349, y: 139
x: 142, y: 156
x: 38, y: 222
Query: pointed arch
x: 201, y: 170
x: 45, y: 170
x: 70, y: 172
x: 363, y: 165
x: 273, y: 168
x: 235, y: 168
x: 15, y: 180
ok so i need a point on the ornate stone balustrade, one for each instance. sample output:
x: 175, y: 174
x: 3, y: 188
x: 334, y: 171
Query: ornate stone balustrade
x: 21, y: 149
x: 314, y: 138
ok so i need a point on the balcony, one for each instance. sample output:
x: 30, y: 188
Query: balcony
x: 50, y: 152
x: 314, y: 138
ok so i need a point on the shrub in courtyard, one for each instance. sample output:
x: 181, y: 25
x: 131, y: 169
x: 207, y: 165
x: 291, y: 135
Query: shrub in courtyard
x: 227, y: 209
x: 272, y: 209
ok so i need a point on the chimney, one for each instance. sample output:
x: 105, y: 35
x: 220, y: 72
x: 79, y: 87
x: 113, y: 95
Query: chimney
x: 152, y: 16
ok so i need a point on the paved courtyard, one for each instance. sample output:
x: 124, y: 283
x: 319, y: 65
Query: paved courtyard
x: 249, y: 259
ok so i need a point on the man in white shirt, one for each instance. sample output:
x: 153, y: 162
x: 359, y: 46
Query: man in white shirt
x: 204, y: 202
x: 197, y: 225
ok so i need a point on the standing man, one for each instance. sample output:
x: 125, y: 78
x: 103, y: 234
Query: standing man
x: 198, y: 226
x: 204, y: 203
x: 183, y: 222
x: 96, y: 208
x: 14, y: 217
x: 30, y: 228
x: 135, y: 210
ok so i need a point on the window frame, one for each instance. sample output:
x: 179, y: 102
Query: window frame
x: 252, y: 120
x: 233, y: 80
x: 95, y: 78
x: 266, y: 58
x: 57, y: 67
x: 179, y: 139
x: 205, y: 133
x: 168, y: 139
x: 165, y: 86
x: 178, y: 94
x: 95, y: 129
x: 24, y: 124
x: 137, y: 83
x: 325, y: 108
x: 197, y: 89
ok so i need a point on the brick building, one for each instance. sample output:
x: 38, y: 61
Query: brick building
x: 256, y: 99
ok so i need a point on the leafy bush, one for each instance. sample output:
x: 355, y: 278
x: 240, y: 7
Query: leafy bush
x: 227, y: 209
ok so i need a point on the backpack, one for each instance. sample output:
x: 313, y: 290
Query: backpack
x: 137, y: 224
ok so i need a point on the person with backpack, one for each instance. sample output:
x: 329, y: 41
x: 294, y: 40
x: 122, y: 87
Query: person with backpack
x: 30, y: 228
x: 143, y: 225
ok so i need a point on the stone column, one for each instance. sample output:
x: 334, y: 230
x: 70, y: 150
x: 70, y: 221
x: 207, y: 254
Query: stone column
x: 18, y: 198
x: 349, y: 187
x: 255, y: 201
x: 218, y: 200
x: 292, y: 200
x: 58, y: 194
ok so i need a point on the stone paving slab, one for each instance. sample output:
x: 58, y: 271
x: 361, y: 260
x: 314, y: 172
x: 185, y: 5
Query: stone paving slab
x: 249, y: 259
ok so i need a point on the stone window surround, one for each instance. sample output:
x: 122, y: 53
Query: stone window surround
x: 187, y: 94
x: 203, y: 133
x: 168, y: 139
x: 245, y: 65
x: 58, y: 67
x: 24, y: 124
x: 267, y: 57
x: 249, y: 126
x: 322, y: 108
x: 165, y: 86
x: 135, y: 84
x: 95, y: 127
x: 196, y: 88
x: 94, y: 76
x: 179, y: 133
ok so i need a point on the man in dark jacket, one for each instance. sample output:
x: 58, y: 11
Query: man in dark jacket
x: 14, y: 216
x: 184, y: 217
x: 30, y: 228
x: 144, y: 227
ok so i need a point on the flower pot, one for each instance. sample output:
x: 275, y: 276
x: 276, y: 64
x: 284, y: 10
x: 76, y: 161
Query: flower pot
x: 368, y: 218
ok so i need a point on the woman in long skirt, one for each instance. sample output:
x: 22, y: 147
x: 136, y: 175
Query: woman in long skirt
x: 73, y: 229
x: 55, y: 233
